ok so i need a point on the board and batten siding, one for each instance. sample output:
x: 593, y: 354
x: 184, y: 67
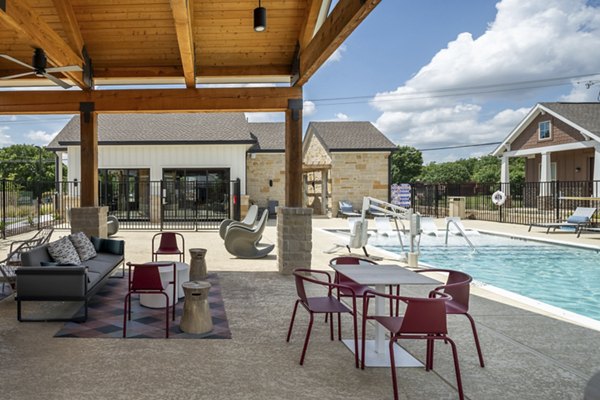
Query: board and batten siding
x: 159, y: 157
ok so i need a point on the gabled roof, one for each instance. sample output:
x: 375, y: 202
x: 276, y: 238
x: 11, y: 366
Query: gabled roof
x: 339, y: 136
x: 584, y: 117
x: 190, y: 128
x: 270, y: 137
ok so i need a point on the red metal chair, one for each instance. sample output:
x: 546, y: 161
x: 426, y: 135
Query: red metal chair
x: 168, y: 245
x: 145, y: 279
x: 458, y: 285
x: 359, y: 289
x: 424, y: 318
x: 328, y: 304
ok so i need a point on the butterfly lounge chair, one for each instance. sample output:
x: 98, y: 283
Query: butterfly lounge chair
x: 429, y: 227
x: 242, y: 241
x: 248, y: 221
x: 579, y: 220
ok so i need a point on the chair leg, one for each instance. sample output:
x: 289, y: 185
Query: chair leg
x: 430, y: 345
x: 331, y: 327
x: 461, y: 395
x: 393, y: 367
x: 476, y: 337
x: 355, y: 326
x: 339, y: 326
x: 306, y: 340
x: 167, y: 315
x: 292, y: 321
x: 126, y: 311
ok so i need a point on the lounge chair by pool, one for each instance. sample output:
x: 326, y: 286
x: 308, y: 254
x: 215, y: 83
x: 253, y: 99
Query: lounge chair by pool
x: 346, y: 209
x: 429, y: 227
x: 579, y: 220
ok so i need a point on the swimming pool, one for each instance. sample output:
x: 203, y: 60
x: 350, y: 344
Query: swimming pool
x: 563, y: 276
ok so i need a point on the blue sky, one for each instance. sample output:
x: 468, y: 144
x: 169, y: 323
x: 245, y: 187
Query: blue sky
x: 433, y: 73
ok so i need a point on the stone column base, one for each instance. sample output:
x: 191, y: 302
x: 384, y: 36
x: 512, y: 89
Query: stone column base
x: 294, y: 238
x: 90, y: 220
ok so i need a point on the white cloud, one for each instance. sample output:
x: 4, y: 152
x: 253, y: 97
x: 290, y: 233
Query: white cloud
x: 341, y: 117
x: 336, y: 56
x: 309, y: 108
x: 529, y: 41
x: 5, y: 140
x: 40, y: 137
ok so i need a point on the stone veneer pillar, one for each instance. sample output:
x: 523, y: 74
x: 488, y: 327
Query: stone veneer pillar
x: 90, y: 220
x: 294, y: 238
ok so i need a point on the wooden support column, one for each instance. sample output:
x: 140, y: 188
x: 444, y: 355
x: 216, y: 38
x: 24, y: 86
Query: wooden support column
x: 89, y: 155
x: 293, y: 154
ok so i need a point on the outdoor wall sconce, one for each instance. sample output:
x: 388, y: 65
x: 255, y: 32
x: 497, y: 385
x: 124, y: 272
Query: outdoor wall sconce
x: 271, y: 182
x: 75, y: 182
x: 260, y: 18
x: 577, y: 169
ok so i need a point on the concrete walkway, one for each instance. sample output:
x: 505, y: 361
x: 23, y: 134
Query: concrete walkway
x: 528, y: 355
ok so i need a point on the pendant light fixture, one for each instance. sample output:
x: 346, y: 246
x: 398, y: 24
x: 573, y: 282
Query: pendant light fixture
x: 260, y: 18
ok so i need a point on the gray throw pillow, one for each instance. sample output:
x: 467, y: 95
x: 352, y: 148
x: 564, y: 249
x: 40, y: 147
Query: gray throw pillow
x: 63, y: 251
x: 83, y: 245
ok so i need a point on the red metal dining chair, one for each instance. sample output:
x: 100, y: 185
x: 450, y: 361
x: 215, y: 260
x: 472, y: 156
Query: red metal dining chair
x: 328, y: 304
x: 424, y: 318
x: 458, y: 285
x: 145, y: 279
x: 359, y: 289
x: 168, y: 245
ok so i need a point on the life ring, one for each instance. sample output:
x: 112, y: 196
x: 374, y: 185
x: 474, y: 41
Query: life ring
x: 498, y: 198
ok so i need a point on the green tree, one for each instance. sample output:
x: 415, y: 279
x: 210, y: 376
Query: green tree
x: 27, y: 165
x: 449, y: 172
x: 486, y: 170
x: 406, y: 164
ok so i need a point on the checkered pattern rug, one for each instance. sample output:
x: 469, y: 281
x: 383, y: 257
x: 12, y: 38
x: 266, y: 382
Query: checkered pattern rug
x: 105, y: 316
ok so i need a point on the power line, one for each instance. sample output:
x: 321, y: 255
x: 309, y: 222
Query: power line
x: 461, y: 146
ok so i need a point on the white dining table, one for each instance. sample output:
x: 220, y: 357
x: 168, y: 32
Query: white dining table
x: 381, y: 276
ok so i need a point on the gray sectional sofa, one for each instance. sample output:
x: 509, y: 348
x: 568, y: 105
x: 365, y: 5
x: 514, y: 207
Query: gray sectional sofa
x: 40, y: 279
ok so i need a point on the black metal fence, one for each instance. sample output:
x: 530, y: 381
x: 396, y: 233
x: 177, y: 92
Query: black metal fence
x: 138, y: 204
x: 526, y: 203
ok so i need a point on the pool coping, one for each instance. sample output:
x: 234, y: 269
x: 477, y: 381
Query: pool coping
x: 504, y: 296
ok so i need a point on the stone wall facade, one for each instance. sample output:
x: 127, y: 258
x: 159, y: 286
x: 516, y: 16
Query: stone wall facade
x: 262, y: 170
x: 355, y: 175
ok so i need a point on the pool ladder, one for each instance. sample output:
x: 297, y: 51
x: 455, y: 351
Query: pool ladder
x: 462, y: 233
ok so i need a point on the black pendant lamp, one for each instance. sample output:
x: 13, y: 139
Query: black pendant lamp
x: 260, y: 18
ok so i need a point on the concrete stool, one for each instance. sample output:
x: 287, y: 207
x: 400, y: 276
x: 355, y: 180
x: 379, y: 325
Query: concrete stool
x: 198, y: 270
x: 196, y: 316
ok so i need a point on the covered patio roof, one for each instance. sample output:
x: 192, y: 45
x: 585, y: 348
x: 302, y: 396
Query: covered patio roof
x: 187, y: 42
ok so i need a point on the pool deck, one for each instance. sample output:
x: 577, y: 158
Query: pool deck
x: 529, y: 353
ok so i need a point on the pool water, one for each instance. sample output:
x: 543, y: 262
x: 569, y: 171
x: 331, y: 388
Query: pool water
x: 563, y: 276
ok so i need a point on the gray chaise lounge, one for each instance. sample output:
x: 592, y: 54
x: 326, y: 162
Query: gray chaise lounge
x: 242, y: 241
x: 249, y: 221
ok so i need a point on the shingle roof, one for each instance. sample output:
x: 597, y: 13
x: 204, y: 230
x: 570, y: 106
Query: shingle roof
x: 586, y: 115
x: 351, y: 136
x: 270, y: 137
x: 162, y: 129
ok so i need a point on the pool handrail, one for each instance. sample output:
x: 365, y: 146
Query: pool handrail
x: 463, y: 234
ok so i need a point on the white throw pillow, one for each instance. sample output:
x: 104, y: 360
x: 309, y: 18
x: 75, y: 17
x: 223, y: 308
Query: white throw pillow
x: 83, y: 245
x: 64, y: 252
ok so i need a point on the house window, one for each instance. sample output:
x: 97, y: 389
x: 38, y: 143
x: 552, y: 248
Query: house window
x: 552, y: 171
x: 544, y: 131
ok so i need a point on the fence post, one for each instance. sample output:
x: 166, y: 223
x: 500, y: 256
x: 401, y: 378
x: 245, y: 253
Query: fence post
x: 557, y: 200
x: 161, y: 204
x: 435, y: 197
x: 3, y: 208
x: 237, y: 199
x: 39, y: 203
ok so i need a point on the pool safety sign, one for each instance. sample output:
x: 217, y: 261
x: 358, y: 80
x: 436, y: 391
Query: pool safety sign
x: 401, y: 195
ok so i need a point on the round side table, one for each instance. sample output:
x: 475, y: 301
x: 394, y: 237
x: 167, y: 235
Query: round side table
x: 198, y: 270
x: 196, y: 316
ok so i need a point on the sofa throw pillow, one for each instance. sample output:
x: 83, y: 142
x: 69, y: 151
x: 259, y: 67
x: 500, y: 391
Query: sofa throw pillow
x: 63, y: 251
x: 83, y: 245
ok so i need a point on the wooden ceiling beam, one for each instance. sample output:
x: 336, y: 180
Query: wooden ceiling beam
x: 70, y: 25
x: 310, y: 22
x: 182, y: 14
x: 20, y: 16
x: 259, y: 99
x: 340, y: 23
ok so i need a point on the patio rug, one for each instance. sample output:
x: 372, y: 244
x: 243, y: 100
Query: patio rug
x: 105, y: 316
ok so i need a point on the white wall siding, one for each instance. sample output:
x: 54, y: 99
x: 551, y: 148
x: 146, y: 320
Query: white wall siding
x: 159, y: 157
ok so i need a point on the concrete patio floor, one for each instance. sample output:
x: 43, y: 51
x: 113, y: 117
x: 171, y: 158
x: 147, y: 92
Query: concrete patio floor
x: 529, y: 355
